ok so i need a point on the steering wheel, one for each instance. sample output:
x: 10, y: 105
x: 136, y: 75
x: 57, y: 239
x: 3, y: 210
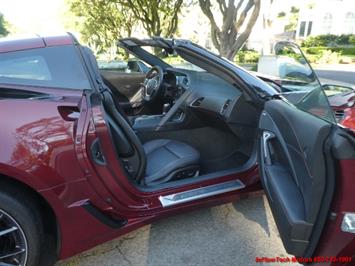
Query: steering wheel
x: 152, y: 83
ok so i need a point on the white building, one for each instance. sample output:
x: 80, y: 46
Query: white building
x: 326, y: 17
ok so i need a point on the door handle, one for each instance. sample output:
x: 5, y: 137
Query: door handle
x: 267, y: 135
x: 69, y: 113
x: 96, y: 153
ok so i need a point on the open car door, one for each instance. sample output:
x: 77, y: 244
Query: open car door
x: 293, y: 171
x: 295, y: 160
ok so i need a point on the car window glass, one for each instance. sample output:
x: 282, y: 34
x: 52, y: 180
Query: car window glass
x: 130, y: 65
x: 172, y: 58
x: 57, y: 66
x: 31, y: 67
x: 287, y: 66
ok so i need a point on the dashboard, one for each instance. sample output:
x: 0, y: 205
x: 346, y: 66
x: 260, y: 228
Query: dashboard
x: 202, y: 92
x: 202, y: 99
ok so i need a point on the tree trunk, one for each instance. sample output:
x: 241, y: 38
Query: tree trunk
x: 228, y: 39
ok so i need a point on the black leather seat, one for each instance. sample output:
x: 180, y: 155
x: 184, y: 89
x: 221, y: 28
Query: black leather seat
x: 169, y: 159
x: 159, y: 160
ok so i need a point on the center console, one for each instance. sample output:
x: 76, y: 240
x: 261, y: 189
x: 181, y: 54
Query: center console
x: 171, y: 118
x: 159, y: 122
x: 147, y: 122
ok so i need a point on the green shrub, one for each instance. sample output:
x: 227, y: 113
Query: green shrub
x: 343, y: 39
x: 340, y: 50
x: 320, y: 40
x: 315, y: 50
x: 247, y: 56
x: 329, y: 57
x: 343, y: 50
x: 328, y: 40
x: 313, y: 58
x: 352, y: 39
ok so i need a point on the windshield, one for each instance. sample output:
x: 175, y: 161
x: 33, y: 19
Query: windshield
x: 172, y: 58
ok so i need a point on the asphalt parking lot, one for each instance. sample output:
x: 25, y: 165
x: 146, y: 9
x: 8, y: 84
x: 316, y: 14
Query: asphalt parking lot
x: 231, y: 234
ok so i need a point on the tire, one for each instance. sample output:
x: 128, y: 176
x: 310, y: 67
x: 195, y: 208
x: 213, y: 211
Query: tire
x: 17, y: 210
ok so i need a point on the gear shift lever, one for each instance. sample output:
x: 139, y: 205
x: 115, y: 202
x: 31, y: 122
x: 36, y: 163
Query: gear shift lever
x: 166, y: 108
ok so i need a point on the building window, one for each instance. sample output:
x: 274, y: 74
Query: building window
x: 309, y: 30
x: 349, y: 23
x: 327, y: 23
x: 302, y: 28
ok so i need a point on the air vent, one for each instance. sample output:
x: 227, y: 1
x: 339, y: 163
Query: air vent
x: 225, y: 106
x: 339, y: 115
x: 185, y: 81
x: 197, y: 102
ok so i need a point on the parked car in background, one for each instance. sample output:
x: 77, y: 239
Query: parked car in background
x: 76, y: 166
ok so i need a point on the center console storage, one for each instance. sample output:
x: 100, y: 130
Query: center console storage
x: 147, y: 122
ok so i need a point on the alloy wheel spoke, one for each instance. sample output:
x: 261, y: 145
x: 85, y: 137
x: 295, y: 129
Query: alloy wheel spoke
x: 13, y: 245
x: 7, y: 231
x: 13, y: 253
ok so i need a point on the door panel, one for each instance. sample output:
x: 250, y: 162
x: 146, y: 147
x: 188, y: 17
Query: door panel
x: 126, y: 84
x: 293, y: 170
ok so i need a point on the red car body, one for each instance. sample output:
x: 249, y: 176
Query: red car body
x: 44, y: 146
x: 344, y: 108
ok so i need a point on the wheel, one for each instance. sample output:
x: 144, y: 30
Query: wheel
x: 20, y: 230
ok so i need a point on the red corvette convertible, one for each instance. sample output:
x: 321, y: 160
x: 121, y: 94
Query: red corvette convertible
x: 87, y: 156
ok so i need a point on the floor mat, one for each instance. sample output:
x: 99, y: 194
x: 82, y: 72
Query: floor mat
x: 234, y: 160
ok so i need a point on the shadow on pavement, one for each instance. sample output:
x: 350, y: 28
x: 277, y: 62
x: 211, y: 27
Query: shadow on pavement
x: 254, y: 210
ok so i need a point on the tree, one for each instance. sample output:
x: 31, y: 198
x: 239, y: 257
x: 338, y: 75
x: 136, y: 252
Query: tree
x: 293, y: 19
x: 158, y: 17
x: 102, y: 22
x: 229, y: 37
x: 281, y: 14
x: 3, y: 30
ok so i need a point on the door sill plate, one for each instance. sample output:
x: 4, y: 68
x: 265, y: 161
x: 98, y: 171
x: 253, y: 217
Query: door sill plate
x: 200, y: 193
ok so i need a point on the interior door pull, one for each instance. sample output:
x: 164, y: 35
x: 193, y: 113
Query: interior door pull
x: 267, y: 135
